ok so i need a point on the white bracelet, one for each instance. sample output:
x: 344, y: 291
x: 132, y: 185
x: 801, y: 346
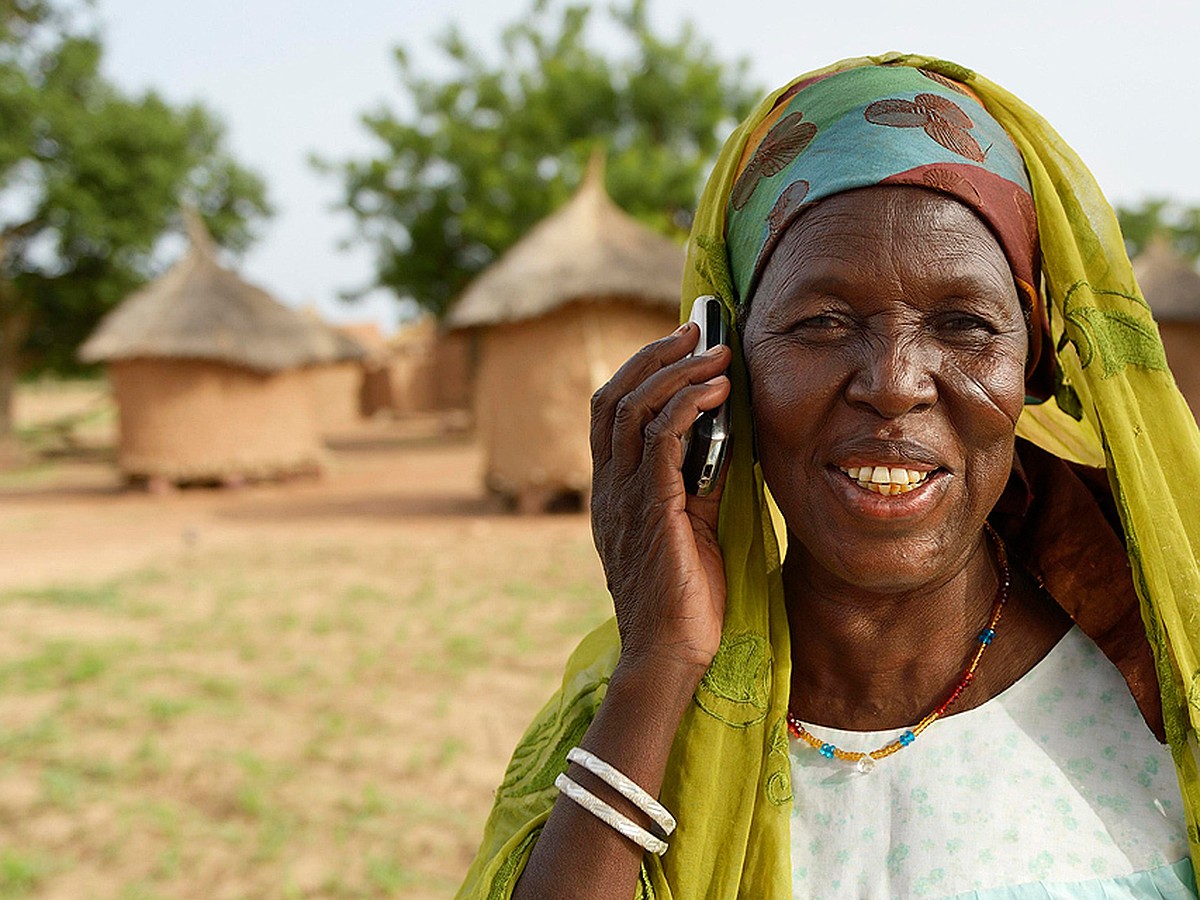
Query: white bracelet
x: 627, y: 788
x: 609, y: 816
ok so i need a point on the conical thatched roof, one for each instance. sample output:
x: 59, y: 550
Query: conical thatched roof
x: 201, y: 310
x: 1169, y: 283
x: 589, y: 249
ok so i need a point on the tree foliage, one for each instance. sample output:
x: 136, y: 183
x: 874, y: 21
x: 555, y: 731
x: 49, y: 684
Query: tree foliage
x: 1176, y: 222
x: 475, y: 158
x: 90, y: 180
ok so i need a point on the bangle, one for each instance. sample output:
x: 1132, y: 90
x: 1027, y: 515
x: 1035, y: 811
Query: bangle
x: 627, y: 788
x: 624, y: 826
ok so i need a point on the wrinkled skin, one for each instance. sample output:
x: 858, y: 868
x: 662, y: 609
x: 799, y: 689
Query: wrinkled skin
x: 886, y: 329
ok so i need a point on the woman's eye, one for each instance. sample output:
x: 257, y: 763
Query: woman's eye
x: 967, y: 323
x: 822, y: 322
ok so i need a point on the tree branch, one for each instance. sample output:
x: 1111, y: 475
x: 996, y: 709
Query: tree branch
x: 21, y: 230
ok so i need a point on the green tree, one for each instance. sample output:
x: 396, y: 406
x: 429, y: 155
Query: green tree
x: 478, y: 157
x: 90, y: 181
x: 1180, y: 224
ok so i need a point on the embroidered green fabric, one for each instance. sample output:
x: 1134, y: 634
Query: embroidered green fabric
x: 1115, y: 404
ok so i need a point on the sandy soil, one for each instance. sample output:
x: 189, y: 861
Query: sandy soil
x: 298, y: 690
x: 73, y: 518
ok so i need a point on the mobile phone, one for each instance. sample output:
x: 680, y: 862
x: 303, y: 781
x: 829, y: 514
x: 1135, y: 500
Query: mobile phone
x: 705, y: 444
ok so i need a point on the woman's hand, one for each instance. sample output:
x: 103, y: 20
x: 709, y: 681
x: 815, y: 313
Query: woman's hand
x: 664, y: 570
x: 658, y: 544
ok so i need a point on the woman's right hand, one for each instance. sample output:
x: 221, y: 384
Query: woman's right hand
x: 657, y: 543
x: 664, y: 570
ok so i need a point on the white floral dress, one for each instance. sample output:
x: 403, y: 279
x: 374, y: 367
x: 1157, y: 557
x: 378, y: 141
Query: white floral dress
x: 1053, y: 789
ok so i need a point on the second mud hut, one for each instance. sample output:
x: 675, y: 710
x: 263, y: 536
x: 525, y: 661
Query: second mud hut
x: 554, y: 317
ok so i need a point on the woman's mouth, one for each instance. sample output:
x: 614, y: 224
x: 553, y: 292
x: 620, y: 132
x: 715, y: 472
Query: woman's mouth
x: 886, y: 480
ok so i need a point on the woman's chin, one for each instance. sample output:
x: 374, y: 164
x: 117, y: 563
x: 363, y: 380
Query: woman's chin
x: 891, y: 542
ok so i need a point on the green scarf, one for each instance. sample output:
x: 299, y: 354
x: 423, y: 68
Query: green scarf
x: 728, y: 777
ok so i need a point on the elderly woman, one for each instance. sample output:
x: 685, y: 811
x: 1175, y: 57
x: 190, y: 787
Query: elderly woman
x: 914, y: 645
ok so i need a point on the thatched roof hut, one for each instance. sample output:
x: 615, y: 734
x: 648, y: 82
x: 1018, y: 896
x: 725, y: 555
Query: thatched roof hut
x: 412, y: 384
x: 557, y: 314
x: 1171, y: 286
x: 208, y: 373
x: 590, y: 248
x: 336, y: 387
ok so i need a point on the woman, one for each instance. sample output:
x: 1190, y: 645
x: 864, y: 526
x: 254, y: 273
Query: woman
x: 903, y: 705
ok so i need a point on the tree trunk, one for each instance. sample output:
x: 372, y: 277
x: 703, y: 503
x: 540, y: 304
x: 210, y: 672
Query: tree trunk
x: 14, y: 328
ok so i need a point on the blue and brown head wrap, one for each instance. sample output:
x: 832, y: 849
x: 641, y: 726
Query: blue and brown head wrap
x: 884, y: 125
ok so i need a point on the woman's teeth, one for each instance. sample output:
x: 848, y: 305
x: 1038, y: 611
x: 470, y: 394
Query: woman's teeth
x: 887, y: 480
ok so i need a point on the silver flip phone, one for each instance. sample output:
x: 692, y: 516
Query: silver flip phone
x: 705, y: 443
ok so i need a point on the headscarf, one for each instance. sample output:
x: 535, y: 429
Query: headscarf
x: 1115, y: 403
x: 883, y: 125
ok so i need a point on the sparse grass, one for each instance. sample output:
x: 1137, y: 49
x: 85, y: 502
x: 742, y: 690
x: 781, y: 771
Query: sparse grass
x: 388, y: 874
x: 21, y: 873
x: 296, y: 719
x: 31, y: 740
x: 58, y: 664
x: 269, y: 708
x: 164, y: 710
x: 95, y: 596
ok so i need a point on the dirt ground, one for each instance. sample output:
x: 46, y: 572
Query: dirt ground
x: 299, y: 690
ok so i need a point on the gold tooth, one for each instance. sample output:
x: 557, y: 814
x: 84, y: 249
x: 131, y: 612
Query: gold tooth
x: 887, y: 490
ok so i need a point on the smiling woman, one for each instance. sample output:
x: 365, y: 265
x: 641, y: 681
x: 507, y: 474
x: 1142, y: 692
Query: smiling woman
x: 900, y: 650
x: 886, y: 332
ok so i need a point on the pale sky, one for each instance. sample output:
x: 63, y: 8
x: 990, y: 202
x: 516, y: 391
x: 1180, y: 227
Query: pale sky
x: 1118, y: 80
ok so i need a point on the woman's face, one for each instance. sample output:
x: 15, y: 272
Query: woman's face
x: 886, y: 344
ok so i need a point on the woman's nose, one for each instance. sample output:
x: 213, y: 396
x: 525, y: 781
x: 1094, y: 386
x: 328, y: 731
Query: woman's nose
x: 893, y: 376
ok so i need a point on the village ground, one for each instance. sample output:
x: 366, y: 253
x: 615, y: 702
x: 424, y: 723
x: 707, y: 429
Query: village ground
x: 296, y: 691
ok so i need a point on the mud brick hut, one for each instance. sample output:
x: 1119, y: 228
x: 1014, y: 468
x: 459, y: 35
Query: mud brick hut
x: 374, y: 391
x: 336, y: 387
x: 552, y: 319
x: 412, y: 382
x: 211, y: 376
x: 1171, y: 286
x: 430, y: 367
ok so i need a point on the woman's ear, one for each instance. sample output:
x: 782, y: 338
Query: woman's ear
x: 1039, y: 361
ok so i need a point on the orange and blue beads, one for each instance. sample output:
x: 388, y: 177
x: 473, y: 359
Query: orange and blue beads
x: 865, y: 762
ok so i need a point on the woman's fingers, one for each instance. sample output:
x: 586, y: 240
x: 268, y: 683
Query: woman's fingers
x: 650, y: 359
x: 663, y: 444
x: 644, y: 404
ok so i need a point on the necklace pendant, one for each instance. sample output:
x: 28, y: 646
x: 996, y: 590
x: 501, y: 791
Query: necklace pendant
x: 865, y: 764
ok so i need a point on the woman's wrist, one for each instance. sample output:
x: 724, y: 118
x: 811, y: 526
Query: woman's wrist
x: 633, y: 732
x: 635, y: 728
x: 661, y: 682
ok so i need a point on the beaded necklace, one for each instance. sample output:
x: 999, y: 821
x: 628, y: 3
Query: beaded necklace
x: 865, y: 762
